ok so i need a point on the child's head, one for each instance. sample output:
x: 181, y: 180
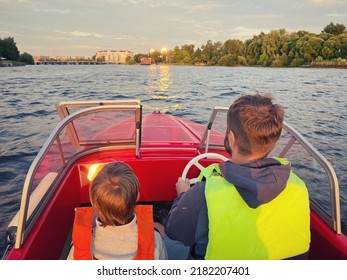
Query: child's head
x: 114, y: 193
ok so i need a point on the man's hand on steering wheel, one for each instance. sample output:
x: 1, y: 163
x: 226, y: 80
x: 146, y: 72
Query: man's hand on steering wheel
x: 195, y: 161
x: 182, y: 185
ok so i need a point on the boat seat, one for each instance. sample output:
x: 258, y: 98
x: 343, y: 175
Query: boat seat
x: 36, y: 196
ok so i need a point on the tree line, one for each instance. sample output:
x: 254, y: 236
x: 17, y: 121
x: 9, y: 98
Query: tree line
x: 278, y: 48
x: 9, y: 50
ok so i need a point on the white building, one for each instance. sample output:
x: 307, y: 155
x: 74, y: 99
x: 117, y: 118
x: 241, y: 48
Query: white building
x: 111, y: 56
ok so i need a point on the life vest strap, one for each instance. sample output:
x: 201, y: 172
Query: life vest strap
x: 82, y: 233
x: 145, y: 224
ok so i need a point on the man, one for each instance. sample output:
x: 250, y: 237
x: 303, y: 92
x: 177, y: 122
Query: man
x: 251, y: 207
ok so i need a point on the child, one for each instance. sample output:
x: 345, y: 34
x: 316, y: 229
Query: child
x: 115, y: 227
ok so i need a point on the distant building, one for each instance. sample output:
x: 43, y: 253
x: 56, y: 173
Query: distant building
x: 147, y: 61
x: 62, y: 57
x: 5, y: 62
x: 40, y: 58
x: 111, y: 56
x: 80, y: 57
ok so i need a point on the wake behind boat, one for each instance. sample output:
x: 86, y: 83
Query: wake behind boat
x: 159, y: 148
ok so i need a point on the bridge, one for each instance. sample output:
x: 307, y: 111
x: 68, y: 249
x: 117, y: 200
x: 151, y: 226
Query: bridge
x: 70, y: 62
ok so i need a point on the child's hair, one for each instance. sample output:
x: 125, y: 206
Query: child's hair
x: 113, y: 194
x: 256, y: 123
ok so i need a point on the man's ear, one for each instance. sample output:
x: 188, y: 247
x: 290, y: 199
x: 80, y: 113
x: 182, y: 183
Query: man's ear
x: 231, y: 139
x: 138, y: 197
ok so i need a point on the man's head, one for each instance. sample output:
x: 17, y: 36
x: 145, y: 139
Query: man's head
x: 114, y: 193
x: 254, y: 124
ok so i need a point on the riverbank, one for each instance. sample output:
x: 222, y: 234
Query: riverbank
x: 322, y: 64
x: 330, y: 64
x: 5, y: 62
x: 9, y: 63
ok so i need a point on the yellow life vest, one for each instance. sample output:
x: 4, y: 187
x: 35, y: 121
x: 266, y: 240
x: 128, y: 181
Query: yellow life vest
x: 276, y: 230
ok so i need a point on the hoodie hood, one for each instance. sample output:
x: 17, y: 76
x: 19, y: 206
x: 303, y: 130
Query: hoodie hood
x: 257, y: 182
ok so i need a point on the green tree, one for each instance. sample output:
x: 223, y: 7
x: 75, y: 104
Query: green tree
x: 280, y: 60
x: 189, y: 49
x: 155, y: 55
x: 230, y: 53
x: 137, y: 57
x: 216, y: 52
x: 335, y: 29
x: 227, y: 60
x: 233, y: 47
x: 186, y: 57
x: 129, y: 60
x: 184, y: 54
x: 308, y: 47
x: 342, y: 51
x: 252, y: 50
x: 330, y: 47
x: 272, y: 47
x: 177, y: 55
x: 289, y: 48
x: 181, y: 55
x: 206, y: 52
x: 8, y: 49
x: 171, y: 56
x: 26, y: 58
x: 263, y: 59
x: 313, y: 48
x: 242, y: 60
x: 196, y: 57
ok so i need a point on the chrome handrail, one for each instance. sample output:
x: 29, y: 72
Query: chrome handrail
x: 335, y: 223
x: 333, y: 181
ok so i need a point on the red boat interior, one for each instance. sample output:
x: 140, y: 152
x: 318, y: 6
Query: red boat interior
x: 158, y: 151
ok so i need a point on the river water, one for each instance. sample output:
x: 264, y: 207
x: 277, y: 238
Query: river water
x: 315, y: 101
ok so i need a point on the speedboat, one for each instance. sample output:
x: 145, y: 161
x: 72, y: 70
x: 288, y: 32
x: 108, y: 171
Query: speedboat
x: 159, y: 148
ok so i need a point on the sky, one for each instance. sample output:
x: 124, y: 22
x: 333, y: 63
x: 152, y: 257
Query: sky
x: 83, y: 27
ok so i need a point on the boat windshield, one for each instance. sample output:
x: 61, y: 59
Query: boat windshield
x: 306, y: 162
x: 116, y: 124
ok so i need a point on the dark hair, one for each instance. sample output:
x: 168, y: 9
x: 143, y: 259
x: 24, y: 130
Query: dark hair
x: 256, y: 123
x: 113, y: 193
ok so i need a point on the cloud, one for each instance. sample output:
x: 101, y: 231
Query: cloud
x: 262, y: 16
x: 170, y: 4
x: 82, y: 34
x: 11, y: 1
x: 328, y: 2
x: 243, y: 33
x: 205, y: 6
x: 336, y: 15
x: 55, y: 11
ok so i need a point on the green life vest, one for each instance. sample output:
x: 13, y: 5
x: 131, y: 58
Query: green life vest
x: 276, y: 230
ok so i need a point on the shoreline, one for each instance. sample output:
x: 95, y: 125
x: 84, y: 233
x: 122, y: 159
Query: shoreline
x: 339, y: 65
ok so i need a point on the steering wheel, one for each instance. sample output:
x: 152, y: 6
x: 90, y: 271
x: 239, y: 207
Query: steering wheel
x: 195, y: 161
